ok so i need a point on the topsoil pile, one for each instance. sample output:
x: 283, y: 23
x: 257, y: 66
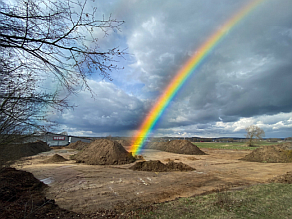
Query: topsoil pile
x: 78, y: 145
x: 286, y: 178
x: 158, y: 166
x: 177, y: 146
x: 55, y: 159
x: 12, y: 152
x: 104, y: 152
x: 281, y: 153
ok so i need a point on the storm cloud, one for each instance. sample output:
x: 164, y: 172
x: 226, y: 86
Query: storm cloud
x: 246, y: 78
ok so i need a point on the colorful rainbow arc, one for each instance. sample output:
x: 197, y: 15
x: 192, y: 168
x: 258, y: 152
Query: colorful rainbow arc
x: 183, y: 74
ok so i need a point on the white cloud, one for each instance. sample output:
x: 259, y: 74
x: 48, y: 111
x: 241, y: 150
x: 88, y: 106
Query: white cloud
x: 266, y: 122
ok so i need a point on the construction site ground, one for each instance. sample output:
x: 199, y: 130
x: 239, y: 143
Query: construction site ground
x: 87, y: 188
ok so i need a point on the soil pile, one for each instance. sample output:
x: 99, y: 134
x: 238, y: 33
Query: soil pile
x: 156, y: 145
x: 124, y: 142
x: 172, y: 166
x: 177, y: 146
x: 158, y: 166
x: 281, y: 153
x: 151, y: 165
x: 78, y: 145
x: 285, y: 178
x: 55, y: 159
x: 12, y: 152
x: 104, y: 152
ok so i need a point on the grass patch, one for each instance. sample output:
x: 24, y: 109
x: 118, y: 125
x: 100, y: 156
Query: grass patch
x: 231, y: 145
x: 262, y: 201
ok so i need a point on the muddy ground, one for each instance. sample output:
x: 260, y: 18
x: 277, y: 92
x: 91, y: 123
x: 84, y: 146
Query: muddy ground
x: 86, y: 188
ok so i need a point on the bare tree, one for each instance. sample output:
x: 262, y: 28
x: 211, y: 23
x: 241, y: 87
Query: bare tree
x: 48, y: 39
x: 253, y: 132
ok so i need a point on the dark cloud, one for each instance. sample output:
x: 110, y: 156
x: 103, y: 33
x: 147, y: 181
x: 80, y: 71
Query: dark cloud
x: 245, y: 79
x: 110, y: 110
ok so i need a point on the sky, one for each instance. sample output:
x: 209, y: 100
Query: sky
x: 245, y: 80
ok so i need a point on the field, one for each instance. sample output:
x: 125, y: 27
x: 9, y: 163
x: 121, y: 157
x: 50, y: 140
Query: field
x: 88, y: 188
x: 231, y: 145
x: 260, y: 201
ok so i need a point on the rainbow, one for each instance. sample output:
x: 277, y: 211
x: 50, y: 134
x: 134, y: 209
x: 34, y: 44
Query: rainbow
x: 183, y: 74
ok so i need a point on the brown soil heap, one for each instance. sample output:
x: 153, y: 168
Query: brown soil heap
x: 104, y: 152
x: 281, y: 153
x: 286, y: 178
x: 124, y: 142
x: 177, y: 146
x: 55, y: 159
x: 155, y: 145
x: 78, y: 145
x: 172, y: 166
x: 157, y: 166
x: 12, y: 152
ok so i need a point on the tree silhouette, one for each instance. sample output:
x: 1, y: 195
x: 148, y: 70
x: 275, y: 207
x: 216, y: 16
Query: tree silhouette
x: 48, y: 39
x: 253, y: 132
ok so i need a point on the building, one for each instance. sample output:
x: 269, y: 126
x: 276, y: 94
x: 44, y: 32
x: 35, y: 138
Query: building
x: 53, y: 139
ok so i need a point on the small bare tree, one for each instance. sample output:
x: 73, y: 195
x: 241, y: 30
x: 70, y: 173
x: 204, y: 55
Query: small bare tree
x: 253, y: 132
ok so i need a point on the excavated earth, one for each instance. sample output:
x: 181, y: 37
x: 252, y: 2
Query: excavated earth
x: 281, y: 153
x: 78, y: 145
x: 157, y: 166
x: 86, y: 188
x: 55, y: 159
x: 285, y: 178
x: 104, y: 152
x: 177, y: 146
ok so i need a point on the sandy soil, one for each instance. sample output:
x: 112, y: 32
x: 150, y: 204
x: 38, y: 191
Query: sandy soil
x: 86, y: 188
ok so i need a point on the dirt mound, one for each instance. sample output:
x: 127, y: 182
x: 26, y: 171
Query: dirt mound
x: 285, y: 178
x: 177, y: 146
x: 78, y: 145
x: 124, y: 142
x: 155, y: 145
x: 158, y: 166
x: 281, y: 153
x: 151, y: 165
x: 172, y: 166
x: 12, y: 152
x: 55, y: 159
x: 104, y: 152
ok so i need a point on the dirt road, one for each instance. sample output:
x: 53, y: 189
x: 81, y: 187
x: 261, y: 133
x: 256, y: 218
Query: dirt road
x: 86, y: 188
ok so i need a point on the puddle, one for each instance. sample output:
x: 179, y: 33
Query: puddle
x: 48, y: 180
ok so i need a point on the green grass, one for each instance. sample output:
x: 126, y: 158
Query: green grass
x: 231, y: 145
x: 259, y: 202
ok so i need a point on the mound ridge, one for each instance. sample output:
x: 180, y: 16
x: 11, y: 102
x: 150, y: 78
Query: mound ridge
x: 158, y: 166
x: 55, y: 159
x: 285, y: 178
x: 124, y: 142
x: 178, y: 147
x: 78, y: 145
x: 281, y: 153
x: 104, y: 152
x: 12, y: 152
